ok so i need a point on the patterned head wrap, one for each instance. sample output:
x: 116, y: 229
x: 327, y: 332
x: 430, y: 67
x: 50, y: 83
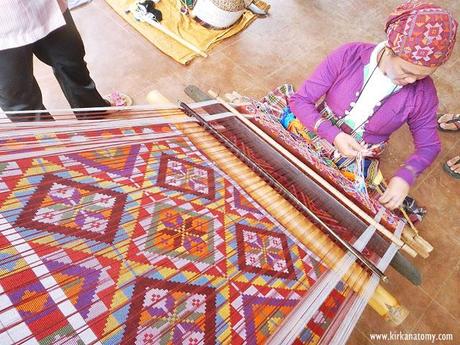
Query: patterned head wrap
x: 421, y: 33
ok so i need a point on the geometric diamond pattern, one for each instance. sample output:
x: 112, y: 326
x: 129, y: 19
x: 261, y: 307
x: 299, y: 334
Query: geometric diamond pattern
x: 71, y: 208
x: 148, y: 244
x: 265, y: 252
x: 170, y: 313
x: 181, y: 175
x: 180, y: 232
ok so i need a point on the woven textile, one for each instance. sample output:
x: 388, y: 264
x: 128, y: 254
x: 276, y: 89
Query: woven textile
x: 137, y: 243
x: 421, y: 33
x: 268, y: 113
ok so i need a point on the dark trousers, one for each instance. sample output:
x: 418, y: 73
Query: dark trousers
x: 63, y: 50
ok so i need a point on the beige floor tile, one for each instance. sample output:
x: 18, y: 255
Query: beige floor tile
x: 437, y: 320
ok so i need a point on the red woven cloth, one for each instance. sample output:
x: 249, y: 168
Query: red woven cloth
x: 421, y: 33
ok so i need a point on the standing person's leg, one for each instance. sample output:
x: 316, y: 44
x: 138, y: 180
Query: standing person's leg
x: 18, y: 88
x: 63, y: 50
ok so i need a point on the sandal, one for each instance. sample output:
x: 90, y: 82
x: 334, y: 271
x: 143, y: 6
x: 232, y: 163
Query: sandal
x: 453, y: 119
x: 118, y: 99
x: 448, y: 167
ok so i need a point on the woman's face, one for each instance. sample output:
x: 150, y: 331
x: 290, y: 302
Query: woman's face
x: 402, y: 72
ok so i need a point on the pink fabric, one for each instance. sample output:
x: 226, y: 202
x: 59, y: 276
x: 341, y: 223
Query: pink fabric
x: 421, y: 33
x: 63, y: 5
x: 24, y: 22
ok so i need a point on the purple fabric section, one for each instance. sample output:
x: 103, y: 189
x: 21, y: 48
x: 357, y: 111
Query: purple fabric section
x: 340, y: 77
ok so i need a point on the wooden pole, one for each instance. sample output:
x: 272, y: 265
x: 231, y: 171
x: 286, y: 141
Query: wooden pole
x: 135, y: 10
x: 176, y: 37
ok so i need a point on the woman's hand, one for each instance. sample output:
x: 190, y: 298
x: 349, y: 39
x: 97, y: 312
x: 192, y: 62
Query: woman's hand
x: 395, y: 193
x: 348, y: 146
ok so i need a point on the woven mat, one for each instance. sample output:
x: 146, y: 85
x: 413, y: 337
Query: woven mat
x: 184, y: 26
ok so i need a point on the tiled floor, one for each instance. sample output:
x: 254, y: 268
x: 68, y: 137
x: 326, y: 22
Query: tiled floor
x: 285, y: 48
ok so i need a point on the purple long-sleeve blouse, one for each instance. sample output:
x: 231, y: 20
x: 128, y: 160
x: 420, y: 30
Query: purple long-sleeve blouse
x: 340, y: 78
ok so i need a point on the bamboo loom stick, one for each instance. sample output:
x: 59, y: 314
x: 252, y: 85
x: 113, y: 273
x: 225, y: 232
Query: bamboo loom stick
x: 157, y: 25
x: 411, y: 235
x: 179, y: 39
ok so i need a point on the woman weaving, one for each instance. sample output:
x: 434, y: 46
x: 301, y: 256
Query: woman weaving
x: 372, y: 90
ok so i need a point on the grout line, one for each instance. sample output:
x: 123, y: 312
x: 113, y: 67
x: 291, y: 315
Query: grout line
x: 238, y: 67
x: 242, y: 68
x: 365, y: 336
x: 421, y: 316
x: 446, y: 311
x: 440, y: 286
x: 282, y: 67
x: 456, y: 268
x: 116, y: 18
x: 425, y: 312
